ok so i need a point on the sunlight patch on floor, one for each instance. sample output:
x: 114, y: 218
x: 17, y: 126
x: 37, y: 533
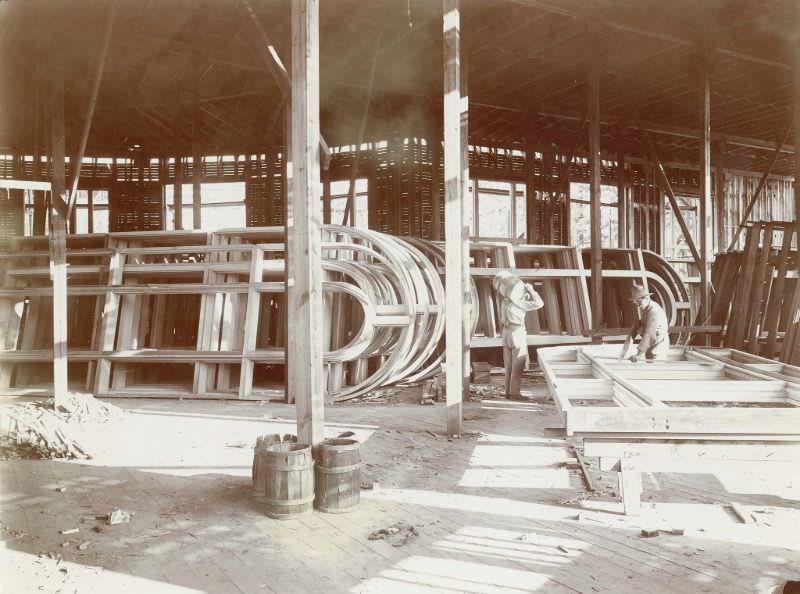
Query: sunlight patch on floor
x: 516, y: 467
x: 422, y: 574
x: 21, y: 570
x: 516, y: 478
x: 535, y: 547
x: 501, y: 438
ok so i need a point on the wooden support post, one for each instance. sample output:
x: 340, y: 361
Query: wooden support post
x: 304, y: 230
x: 706, y: 222
x: 796, y: 64
x: 326, y: 196
x: 58, y: 234
x: 90, y: 212
x: 719, y: 196
x: 87, y: 124
x: 467, y: 205
x: 436, y: 192
x: 622, y: 193
x: 349, y: 217
x: 177, y: 194
x: 197, y: 171
x: 664, y: 180
x: 277, y: 69
x: 456, y: 234
x: 594, y: 189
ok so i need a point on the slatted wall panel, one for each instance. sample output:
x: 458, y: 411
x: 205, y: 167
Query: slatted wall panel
x: 547, y: 195
x: 12, y: 214
x: 775, y: 203
x: 135, y: 206
x: 647, y: 197
x: 265, y: 190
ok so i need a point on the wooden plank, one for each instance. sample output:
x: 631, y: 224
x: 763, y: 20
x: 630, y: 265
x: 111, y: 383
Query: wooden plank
x: 664, y: 180
x: 177, y: 194
x: 468, y: 203
x: 594, y: 182
x: 278, y: 70
x: 108, y: 324
x: 756, y: 422
x: 623, y: 224
x: 250, y: 326
x: 698, y: 450
x: 349, y: 215
x: 304, y: 230
x: 197, y: 170
x: 762, y: 274
x: 87, y: 124
x: 706, y: 221
x: 455, y: 234
x: 58, y: 232
x: 739, y: 307
x: 777, y: 296
x: 630, y: 487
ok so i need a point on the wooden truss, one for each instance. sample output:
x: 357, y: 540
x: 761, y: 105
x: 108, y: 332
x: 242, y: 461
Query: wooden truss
x: 701, y: 404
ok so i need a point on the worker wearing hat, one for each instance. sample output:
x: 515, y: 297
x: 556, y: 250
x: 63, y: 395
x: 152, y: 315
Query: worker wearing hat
x: 652, y: 325
x: 518, y: 299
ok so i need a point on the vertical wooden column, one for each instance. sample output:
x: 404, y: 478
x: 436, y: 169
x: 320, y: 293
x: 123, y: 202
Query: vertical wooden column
x: 326, y: 196
x: 177, y: 194
x: 197, y: 171
x: 58, y: 234
x: 436, y: 182
x: 623, y: 223
x: 797, y: 123
x: 706, y: 226
x: 304, y: 229
x: 719, y: 196
x: 467, y: 205
x: 456, y: 234
x: 593, y: 109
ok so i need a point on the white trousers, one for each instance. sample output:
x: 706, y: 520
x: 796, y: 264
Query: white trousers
x: 515, y: 357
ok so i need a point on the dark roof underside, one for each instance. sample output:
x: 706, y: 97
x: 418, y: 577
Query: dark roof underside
x: 181, y: 67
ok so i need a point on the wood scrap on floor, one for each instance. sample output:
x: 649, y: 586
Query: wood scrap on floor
x: 37, y: 430
x: 396, y: 535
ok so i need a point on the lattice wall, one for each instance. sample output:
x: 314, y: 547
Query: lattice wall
x: 265, y: 190
x: 136, y: 206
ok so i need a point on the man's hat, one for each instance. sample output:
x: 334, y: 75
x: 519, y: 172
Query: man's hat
x: 637, y: 292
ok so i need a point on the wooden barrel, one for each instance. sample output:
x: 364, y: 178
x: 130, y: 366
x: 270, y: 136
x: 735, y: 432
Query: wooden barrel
x: 338, y: 474
x: 259, y: 473
x: 288, y: 480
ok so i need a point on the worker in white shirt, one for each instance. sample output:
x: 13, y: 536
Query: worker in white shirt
x: 518, y: 299
x: 652, y: 326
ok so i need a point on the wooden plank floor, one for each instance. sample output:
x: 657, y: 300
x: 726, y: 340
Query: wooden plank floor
x: 496, y: 511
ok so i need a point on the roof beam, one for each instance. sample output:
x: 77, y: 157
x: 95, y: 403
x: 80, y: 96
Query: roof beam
x: 564, y: 113
x: 546, y: 6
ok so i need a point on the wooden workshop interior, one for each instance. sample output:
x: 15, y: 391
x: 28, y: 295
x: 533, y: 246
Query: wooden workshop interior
x: 247, y: 198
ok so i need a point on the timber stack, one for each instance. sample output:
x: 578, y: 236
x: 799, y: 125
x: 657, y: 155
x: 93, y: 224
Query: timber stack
x: 202, y: 315
x: 757, y: 298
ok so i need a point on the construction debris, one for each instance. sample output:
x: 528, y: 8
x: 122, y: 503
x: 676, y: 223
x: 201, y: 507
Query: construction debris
x: 742, y: 514
x: 70, y: 531
x: 39, y: 430
x: 659, y: 532
x: 479, y: 392
x: 84, y: 545
x: 119, y: 516
x: 396, y: 535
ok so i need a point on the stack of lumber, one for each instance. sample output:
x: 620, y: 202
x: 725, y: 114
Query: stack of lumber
x: 757, y: 293
x: 203, y: 315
